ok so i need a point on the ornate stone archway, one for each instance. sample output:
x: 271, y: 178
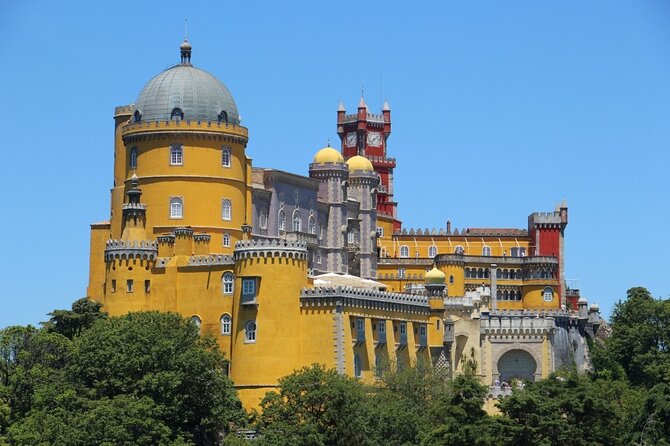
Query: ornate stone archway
x: 532, y: 349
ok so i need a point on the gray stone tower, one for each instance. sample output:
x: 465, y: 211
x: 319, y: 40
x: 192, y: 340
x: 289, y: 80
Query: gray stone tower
x: 332, y: 176
x: 363, y: 188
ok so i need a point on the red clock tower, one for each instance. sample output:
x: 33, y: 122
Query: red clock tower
x: 367, y: 134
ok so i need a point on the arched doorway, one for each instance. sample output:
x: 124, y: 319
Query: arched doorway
x: 517, y: 364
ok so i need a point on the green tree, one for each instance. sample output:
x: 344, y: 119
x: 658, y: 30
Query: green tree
x: 70, y: 323
x: 315, y: 406
x: 160, y: 356
x: 652, y: 422
x: 400, y: 404
x: 640, y: 339
x: 568, y: 409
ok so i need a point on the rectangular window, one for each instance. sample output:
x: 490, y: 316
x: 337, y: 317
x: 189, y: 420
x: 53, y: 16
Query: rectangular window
x: 318, y: 256
x: 129, y: 286
x: 147, y: 286
x: 381, y: 332
x: 248, y: 290
x: 401, y: 273
x: 380, y: 231
x: 113, y: 285
x: 403, y: 333
x: 360, y: 329
x: 176, y: 156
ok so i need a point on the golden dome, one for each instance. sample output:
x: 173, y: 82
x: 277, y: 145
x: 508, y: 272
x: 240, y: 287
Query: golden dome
x: 359, y: 163
x: 328, y: 155
x: 435, y: 277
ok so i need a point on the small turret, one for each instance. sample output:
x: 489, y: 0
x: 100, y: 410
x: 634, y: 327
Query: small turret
x: 134, y: 213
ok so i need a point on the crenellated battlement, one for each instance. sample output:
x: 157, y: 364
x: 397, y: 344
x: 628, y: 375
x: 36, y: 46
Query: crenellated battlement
x: 517, y: 325
x: 137, y: 128
x: 124, y: 249
x: 134, y: 206
x: 211, y: 260
x: 349, y: 296
x: 245, y: 249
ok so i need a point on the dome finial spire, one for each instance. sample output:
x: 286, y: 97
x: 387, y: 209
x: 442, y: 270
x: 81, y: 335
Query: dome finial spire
x: 185, y: 47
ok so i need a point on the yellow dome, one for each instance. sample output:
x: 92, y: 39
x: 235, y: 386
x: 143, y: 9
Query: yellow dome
x: 328, y: 155
x: 435, y: 277
x: 359, y: 163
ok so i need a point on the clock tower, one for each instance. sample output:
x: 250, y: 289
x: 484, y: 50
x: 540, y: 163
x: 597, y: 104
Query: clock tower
x: 366, y: 134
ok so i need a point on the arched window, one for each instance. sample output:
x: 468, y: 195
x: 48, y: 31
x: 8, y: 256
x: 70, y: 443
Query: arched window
x: 282, y: 222
x: 196, y: 320
x: 137, y: 116
x: 176, y: 155
x: 176, y: 207
x: 486, y: 250
x: 227, y: 281
x: 225, y: 325
x: 263, y: 219
x: 432, y: 251
x: 226, y: 240
x: 459, y: 250
x: 177, y: 114
x: 226, y: 210
x: 225, y: 156
x: 404, y: 251
x: 133, y: 158
x: 499, y: 295
x: 505, y: 295
x: 223, y: 116
x: 311, y: 225
x: 358, y: 370
x: 548, y: 294
x: 297, y: 221
x: 250, y: 331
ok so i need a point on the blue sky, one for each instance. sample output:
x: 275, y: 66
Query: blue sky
x: 499, y: 109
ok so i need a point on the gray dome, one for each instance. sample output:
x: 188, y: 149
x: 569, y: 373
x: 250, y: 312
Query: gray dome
x: 187, y: 93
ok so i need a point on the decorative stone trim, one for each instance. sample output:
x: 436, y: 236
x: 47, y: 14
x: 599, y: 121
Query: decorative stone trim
x: 270, y: 248
x: 211, y: 260
x: 165, y: 239
x: 125, y: 249
x: 364, y: 298
x: 202, y: 238
x: 183, y: 232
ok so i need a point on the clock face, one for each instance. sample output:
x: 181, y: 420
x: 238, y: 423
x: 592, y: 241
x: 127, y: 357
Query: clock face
x: 374, y: 139
x: 351, y: 139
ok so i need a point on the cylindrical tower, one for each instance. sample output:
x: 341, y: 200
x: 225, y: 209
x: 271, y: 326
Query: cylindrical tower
x: 185, y: 143
x: 269, y: 275
x: 331, y: 171
x: 363, y: 182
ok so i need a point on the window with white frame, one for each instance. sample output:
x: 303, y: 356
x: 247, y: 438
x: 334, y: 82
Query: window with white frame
x: 548, y: 294
x: 381, y: 327
x: 250, y: 331
x: 226, y: 324
x: 401, y: 273
x: 297, y: 221
x: 432, y: 251
x: 228, y: 281
x: 459, y: 250
x: 351, y: 236
x: 380, y: 231
x: 226, y: 210
x: 176, y: 207
x: 248, y: 290
x: 133, y: 158
x: 318, y: 256
x: 281, y: 222
x: 403, y: 328
x: 422, y: 330
x: 486, y: 250
x: 196, y: 320
x: 311, y: 225
x: 358, y: 369
x: 226, y: 240
x: 404, y: 251
x: 225, y: 156
x: 176, y: 155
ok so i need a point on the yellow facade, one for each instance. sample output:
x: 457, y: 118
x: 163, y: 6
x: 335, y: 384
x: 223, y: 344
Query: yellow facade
x: 180, y: 239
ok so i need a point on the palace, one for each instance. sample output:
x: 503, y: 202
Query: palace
x: 286, y: 270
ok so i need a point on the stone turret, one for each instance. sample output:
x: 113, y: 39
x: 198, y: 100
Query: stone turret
x: 363, y: 183
x: 331, y: 171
